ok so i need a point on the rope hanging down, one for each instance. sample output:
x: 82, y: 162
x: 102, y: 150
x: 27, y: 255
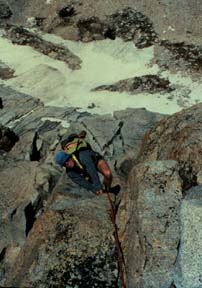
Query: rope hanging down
x: 117, y: 241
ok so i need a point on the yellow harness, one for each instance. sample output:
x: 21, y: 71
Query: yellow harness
x: 77, y: 162
x: 79, y: 165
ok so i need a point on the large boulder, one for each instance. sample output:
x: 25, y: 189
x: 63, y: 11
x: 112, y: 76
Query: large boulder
x: 178, y: 137
x: 128, y: 24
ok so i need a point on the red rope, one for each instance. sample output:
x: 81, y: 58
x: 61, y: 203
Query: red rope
x: 117, y: 241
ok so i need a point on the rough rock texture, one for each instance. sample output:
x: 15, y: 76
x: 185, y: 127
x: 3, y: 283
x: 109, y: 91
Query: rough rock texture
x: 127, y: 24
x: 190, y: 53
x: 114, y: 142
x: 153, y: 232
x: 59, y: 237
x: 146, y: 83
x: 21, y: 36
x: 63, y: 235
x: 161, y: 228
x: 172, y: 20
x: 130, y: 24
x: 71, y: 244
x: 22, y: 198
x: 189, y: 260
x: 179, y: 138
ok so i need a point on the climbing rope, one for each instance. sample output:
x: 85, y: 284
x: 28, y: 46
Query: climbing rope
x: 117, y: 241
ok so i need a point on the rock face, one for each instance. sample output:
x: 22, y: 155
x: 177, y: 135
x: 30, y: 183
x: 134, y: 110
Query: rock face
x: 55, y: 232
x: 154, y: 230
x: 73, y: 242
x: 127, y: 24
x: 189, y: 260
x: 73, y: 222
x: 22, y: 198
x: 158, y: 239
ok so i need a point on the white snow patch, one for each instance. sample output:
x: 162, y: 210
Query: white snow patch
x: 103, y: 62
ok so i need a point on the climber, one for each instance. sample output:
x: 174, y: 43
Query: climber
x: 83, y: 164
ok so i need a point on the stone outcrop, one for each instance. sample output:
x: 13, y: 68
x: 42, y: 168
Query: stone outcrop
x: 21, y: 36
x: 178, y: 137
x: 135, y: 85
x: 158, y: 240
x: 128, y: 24
x: 23, y: 197
x: 57, y: 233
x: 179, y: 56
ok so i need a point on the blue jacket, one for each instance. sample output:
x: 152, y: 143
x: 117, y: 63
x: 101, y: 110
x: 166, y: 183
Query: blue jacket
x: 89, y: 160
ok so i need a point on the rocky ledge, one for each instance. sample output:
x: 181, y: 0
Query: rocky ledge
x: 135, y: 85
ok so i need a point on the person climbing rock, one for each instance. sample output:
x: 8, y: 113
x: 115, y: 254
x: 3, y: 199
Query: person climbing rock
x: 83, y: 164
